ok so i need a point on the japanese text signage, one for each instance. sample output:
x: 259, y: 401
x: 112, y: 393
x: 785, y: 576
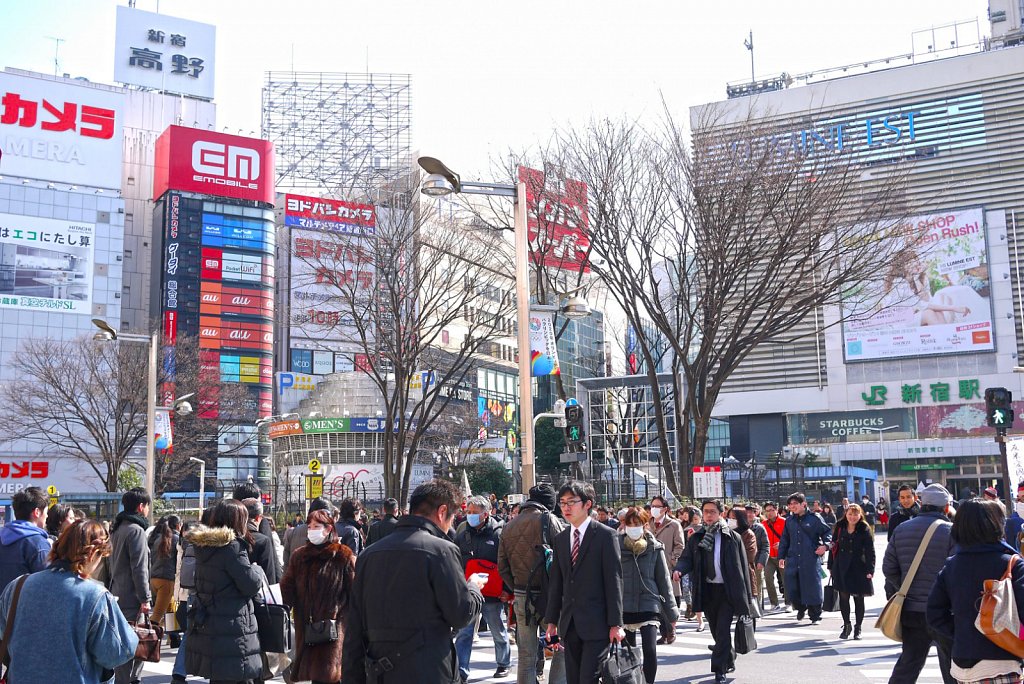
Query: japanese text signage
x: 556, y: 220
x: 46, y: 264
x: 937, y: 301
x: 851, y: 426
x: 61, y: 132
x: 164, y: 53
x: 214, y: 163
x: 937, y: 392
x: 318, y: 213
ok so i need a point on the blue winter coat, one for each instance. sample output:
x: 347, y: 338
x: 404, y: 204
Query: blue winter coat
x: 1012, y: 530
x: 23, y: 548
x: 67, y: 630
x: 801, y: 537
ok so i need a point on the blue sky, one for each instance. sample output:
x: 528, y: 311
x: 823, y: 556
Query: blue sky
x: 486, y: 75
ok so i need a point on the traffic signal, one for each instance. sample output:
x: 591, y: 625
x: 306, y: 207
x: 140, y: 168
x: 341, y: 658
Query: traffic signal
x: 999, y: 407
x: 574, y: 425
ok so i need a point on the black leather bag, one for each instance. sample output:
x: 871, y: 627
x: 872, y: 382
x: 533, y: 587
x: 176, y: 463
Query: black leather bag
x: 321, y: 632
x: 274, y: 625
x: 621, y: 666
x: 745, y: 639
x: 830, y: 604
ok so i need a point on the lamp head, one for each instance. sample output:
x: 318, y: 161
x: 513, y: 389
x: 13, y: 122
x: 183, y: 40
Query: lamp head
x: 106, y: 332
x: 575, y: 307
x: 103, y: 337
x: 183, y: 409
x: 436, y: 185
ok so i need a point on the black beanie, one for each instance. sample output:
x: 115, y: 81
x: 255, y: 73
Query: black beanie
x: 544, y: 494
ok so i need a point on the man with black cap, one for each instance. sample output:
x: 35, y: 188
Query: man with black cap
x: 899, y: 556
x: 524, y: 568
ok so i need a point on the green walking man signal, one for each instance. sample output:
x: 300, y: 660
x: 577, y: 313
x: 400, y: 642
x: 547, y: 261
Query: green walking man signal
x: 574, y: 426
x: 999, y: 408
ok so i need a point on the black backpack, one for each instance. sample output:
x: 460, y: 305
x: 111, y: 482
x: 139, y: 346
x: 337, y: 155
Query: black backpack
x: 537, y: 598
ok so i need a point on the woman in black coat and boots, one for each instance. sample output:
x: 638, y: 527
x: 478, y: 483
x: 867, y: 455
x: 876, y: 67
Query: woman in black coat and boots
x: 223, y: 643
x: 852, y: 566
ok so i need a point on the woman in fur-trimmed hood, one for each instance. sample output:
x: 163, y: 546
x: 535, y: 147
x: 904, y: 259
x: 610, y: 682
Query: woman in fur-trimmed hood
x: 317, y: 584
x: 222, y: 643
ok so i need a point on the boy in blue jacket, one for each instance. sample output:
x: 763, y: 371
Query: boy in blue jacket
x: 24, y: 543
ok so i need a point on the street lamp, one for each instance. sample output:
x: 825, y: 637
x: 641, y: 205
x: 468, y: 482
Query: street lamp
x: 441, y: 181
x: 107, y: 334
x: 881, y: 454
x: 202, y: 482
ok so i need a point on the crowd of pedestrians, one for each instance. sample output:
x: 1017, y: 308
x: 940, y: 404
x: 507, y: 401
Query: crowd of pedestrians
x: 393, y: 597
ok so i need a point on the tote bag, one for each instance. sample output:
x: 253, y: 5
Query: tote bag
x: 997, y: 618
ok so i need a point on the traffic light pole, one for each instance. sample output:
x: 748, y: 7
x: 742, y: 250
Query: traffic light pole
x: 1009, y: 487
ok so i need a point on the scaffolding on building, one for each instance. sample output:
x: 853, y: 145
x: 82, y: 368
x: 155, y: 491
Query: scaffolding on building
x: 341, y: 135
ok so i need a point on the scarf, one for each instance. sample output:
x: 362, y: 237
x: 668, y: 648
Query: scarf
x: 638, y: 546
x: 707, y: 543
x: 126, y: 517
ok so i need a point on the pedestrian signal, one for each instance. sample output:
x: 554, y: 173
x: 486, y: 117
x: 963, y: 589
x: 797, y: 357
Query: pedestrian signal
x: 999, y: 407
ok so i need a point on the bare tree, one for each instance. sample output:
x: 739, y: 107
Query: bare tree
x: 421, y: 294
x: 88, y: 400
x: 727, y: 242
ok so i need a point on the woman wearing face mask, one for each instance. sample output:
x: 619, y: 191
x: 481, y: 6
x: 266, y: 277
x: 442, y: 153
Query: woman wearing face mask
x: 670, y: 533
x: 317, y: 585
x: 646, y: 587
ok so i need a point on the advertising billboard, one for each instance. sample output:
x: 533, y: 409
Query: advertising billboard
x: 164, y: 53
x: 556, y: 219
x: 214, y: 163
x: 959, y: 420
x: 46, y: 264
x: 339, y: 216
x: 937, y: 302
x: 850, y: 426
x: 59, y: 131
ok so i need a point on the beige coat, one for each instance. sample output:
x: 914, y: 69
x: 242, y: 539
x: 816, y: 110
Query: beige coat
x: 670, y: 534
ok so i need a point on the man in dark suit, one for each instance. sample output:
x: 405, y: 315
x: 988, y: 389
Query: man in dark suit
x: 716, y: 561
x: 386, y: 525
x: 585, y: 596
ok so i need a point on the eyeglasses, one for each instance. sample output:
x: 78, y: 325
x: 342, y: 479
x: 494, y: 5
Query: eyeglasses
x: 570, y: 503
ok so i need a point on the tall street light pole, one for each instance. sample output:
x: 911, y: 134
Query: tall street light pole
x: 441, y: 181
x: 881, y: 453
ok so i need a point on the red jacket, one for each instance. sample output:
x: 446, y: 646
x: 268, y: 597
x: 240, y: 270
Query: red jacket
x: 774, y: 531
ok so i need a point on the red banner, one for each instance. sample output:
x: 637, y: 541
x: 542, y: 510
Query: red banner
x: 556, y: 220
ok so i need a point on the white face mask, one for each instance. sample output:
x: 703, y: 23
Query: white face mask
x: 732, y: 524
x: 317, y: 536
x: 634, y: 532
x: 656, y: 511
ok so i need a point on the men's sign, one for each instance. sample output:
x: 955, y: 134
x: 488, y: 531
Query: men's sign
x: 213, y: 163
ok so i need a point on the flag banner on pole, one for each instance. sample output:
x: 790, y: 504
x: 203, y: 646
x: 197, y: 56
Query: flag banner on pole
x: 543, y: 348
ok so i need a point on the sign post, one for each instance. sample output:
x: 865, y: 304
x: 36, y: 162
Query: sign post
x: 708, y: 483
x: 54, y: 495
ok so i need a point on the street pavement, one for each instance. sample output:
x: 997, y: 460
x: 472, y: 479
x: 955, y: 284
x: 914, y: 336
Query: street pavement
x: 788, y: 652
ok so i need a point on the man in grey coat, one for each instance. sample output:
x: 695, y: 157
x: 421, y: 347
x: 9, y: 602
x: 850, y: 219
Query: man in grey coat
x: 899, y: 556
x: 129, y: 568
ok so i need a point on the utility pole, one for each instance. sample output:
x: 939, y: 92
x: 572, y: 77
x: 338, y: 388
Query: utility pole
x: 56, y: 54
x: 749, y: 44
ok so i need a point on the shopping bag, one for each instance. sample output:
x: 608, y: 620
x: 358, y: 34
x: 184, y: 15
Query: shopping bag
x: 830, y: 604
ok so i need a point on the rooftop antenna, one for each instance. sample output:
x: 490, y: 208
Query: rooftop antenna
x: 56, y: 53
x: 749, y: 44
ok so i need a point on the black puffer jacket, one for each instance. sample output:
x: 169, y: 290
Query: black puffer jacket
x: 222, y: 639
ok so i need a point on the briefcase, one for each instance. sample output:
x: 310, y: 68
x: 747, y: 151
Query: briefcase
x: 746, y: 642
x: 274, y: 627
x: 621, y: 666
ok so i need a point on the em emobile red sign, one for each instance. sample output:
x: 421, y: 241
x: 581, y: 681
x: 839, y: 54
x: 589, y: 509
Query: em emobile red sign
x: 212, y: 163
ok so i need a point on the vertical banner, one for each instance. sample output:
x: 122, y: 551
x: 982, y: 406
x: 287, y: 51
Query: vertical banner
x: 543, y: 348
x: 164, y: 436
x: 1015, y: 459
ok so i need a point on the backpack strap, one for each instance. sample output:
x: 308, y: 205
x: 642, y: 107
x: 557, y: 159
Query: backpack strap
x: 909, y: 579
x: 11, y: 614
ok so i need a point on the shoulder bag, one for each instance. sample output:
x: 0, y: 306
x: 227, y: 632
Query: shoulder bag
x: 621, y: 666
x: 5, y: 657
x: 273, y: 621
x: 830, y: 604
x: 150, y: 636
x: 997, y: 618
x: 889, y: 619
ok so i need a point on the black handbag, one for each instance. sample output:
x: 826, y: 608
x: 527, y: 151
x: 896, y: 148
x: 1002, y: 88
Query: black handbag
x: 321, y: 632
x: 745, y: 640
x: 830, y: 602
x: 621, y: 666
x: 274, y: 627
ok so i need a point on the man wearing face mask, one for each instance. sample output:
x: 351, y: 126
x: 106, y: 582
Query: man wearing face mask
x: 670, y: 534
x: 478, y: 545
x: 869, y: 509
x: 409, y: 594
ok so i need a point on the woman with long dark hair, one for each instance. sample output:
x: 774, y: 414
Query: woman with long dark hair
x: 223, y: 645
x: 852, y: 565
x: 58, y: 518
x: 317, y: 585
x: 163, y: 564
x: 982, y: 553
